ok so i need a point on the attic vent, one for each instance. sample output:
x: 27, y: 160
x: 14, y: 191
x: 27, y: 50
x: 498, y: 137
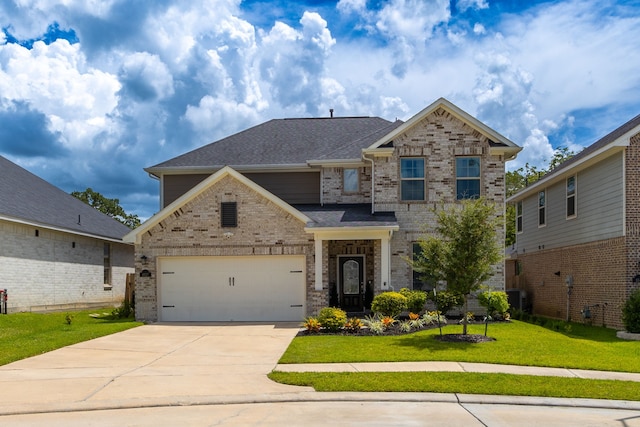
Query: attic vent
x: 229, y: 214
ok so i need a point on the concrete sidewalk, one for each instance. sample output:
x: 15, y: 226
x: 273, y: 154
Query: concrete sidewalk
x: 457, y: 367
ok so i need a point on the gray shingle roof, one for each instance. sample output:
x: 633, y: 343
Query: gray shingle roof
x: 24, y: 196
x: 352, y: 215
x: 288, y: 141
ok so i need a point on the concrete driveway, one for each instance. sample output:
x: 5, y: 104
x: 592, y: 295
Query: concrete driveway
x: 159, y: 364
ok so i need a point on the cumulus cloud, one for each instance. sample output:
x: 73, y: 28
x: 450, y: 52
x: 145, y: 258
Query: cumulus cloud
x: 26, y: 132
x: 292, y: 62
x: 137, y: 83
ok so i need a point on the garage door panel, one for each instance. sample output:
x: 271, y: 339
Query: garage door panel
x: 255, y: 288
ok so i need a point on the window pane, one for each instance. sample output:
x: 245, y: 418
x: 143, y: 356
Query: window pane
x: 519, y: 224
x: 412, y: 190
x: 467, y: 189
x: 411, y: 168
x: 468, y: 167
x: 571, y: 206
x: 350, y: 180
x: 351, y: 277
x: 571, y: 185
x: 519, y: 208
x: 541, y: 200
x: 541, y: 216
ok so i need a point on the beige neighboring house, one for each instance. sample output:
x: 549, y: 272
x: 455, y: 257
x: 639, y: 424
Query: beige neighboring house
x: 577, y: 253
x: 279, y: 220
x: 57, y: 252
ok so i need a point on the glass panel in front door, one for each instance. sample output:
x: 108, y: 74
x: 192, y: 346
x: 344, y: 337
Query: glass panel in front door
x: 351, y: 277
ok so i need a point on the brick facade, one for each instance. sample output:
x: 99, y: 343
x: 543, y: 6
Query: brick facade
x: 265, y: 228
x: 603, y: 271
x: 599, y: 281
x: 439, y: 138
x: 56, y: 270
x: 195, y: 230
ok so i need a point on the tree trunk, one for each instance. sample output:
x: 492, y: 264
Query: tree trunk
x: 465, y: 320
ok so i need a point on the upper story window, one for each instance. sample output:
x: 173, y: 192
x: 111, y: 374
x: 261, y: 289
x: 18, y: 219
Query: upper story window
x: 229, y: 214
x: 542, y: 208
x: 412, y: 178
x: 519, y: 217
x: 467, y: 177
x: 350, y: 180
x: 571, y: 197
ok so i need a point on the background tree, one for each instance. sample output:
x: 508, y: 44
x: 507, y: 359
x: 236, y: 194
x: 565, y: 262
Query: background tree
x: 466, y: 247
x: 110, y: 207
x: 522, y: 177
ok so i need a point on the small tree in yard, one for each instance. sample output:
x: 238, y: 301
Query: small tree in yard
x: 464, y: 250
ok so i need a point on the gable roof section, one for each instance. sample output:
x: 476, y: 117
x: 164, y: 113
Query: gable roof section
x: 499, y: 144
x: 28, y: 199
x: 135, y: 236
x: 609, y: 144
x: 282, y: 142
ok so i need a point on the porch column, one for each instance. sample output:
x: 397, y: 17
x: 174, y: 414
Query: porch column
x: 318, y: 262
x: 385, y: 262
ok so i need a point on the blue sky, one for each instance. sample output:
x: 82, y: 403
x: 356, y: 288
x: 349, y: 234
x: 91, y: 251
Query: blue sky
x: 93, y: 91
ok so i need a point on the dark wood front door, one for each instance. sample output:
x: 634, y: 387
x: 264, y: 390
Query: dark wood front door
x: 351, y: 283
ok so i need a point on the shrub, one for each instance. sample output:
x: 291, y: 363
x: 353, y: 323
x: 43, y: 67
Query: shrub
x: 416, y: 299
x: 311, y: 324
x: 446, y: 300
x: 389, y: 304
x: 432, y: 317
x: 494, y: 301
x: 374, y: 324
x: 406, y: 326
x: 388, y: 321
x: 631, y: 313
x: 332, y: 318
x: 353, y: 324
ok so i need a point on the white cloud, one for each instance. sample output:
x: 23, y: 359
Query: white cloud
x: 147, y: 76
x: 56, y: 80
x: 464, y: 5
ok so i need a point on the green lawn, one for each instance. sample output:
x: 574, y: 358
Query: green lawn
x: 24, y: 335
x: 517, y: 343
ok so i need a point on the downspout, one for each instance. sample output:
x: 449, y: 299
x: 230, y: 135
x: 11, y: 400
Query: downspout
x: 373, y: 183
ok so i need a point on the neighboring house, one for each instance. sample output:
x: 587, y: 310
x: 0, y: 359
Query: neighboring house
x: 578, y: 232
x: 57, y: 252
x: 282, y: 219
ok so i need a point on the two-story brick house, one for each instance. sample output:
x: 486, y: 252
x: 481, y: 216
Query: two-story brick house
x: 578, y: 232
x: 282, y: 219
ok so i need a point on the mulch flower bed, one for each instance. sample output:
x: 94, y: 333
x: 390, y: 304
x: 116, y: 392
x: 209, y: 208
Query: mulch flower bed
x: 395, y: 330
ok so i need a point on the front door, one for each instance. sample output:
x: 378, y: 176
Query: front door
x: 350, y: 272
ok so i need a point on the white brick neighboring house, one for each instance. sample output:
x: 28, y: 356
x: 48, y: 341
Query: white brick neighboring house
x: 57, y: 252
x: 282, y: 219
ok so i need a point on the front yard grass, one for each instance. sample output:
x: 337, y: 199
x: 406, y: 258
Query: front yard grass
x: 517, y: 343
x: 24, y: 335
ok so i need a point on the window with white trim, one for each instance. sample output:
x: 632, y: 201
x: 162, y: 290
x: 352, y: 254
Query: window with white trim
x: 542, y: 208
x: 412, y: 178
x: 519, y: 217
x: 467, y: 177
x: 571, y: 197
x: 350, y: 180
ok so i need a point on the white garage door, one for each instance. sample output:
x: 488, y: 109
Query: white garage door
x: 248, y: 288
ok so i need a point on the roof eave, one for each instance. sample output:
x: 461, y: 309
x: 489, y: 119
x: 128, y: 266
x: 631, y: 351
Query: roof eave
x: 60, y: 229
x: 457, y: 112
x: 561, y: 173
x: 191, y: 170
